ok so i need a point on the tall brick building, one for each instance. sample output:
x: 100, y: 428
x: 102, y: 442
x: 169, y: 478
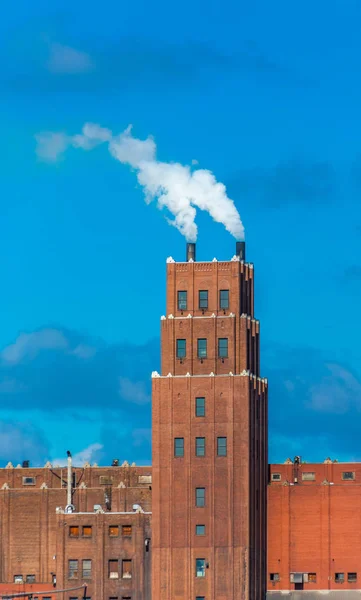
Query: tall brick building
x: 209, y: 437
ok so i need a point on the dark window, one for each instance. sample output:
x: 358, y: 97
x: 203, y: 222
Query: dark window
x: 348, y: 475
x: 222, y: 446
x: 178, y: 447
x: 200, y: 598
x: 223, y: 347
x: 200, y: 446
x: 113, y: 530
x: 113, y: 569
x: 181, y: 348
x: 274, y: 576
x: 276, y: 477
x: 202, y: 348
x: 200, y: 567
x: 203, y: 299
x: 87, y: 569
x: 87, y: 531
x: 74, y: 531
x: 224, y: 299
x: 28, y: 480
x: 200, y: 407
x: 73, y: 598
x: 182, y: 300
x: 200, y: 497
x: 351, y: 577
x: 126, y: 569
x: 312, y: 577
x: 126, y: 530
x: 339, y: 577
x: 18, y: 579
x: 200, y: 529
x: 72, y: 569
x: 30, y: 579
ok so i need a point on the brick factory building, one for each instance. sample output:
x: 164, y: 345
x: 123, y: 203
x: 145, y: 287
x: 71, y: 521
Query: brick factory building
x: 194, y: 525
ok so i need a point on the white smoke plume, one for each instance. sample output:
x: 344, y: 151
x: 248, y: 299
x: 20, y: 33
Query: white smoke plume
x: 180, y: 188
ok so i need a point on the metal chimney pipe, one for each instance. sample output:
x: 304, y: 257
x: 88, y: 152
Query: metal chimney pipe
x: 241, y: 250
x: 191, y: 252
x: 69, y: 481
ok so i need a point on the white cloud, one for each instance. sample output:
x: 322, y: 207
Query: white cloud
x: 64, y: 59
x: 84, y: 351
x: 28, y: 345
x: 133, y: 392
x: 50, y: 146
x: 89, y: 454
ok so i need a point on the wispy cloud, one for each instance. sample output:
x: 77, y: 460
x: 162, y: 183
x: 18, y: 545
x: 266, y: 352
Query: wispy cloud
x: 133, y: 391
x: 28, y: 345
x: 67, y: 60
x: 90, y: 454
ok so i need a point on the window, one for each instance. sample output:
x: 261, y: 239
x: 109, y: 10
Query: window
x: 202, y: 348
x: 113, y: 569
x: 312, y: 578
x: 200, y: 497
x: 87, y: 531
x: 224, y: 299
x: 28, y: 480
x: 72, y: 569
x: 203, y: 299
x: 181, y: 348
x: 274, y: 576
x: 200, y: 530
x: 73, y: 598
x: 351, y: 577
x: 74, y: 531
x: 126, y: 530
x: 178, y: 447
x: 200, y: 446
x: 105, y: 480
x: 200, y: 567
x: 200, y: 407
x: 87, y: 569
x: 113, y: 530
x: 126, y: 569
x: 223, y: 347
x: 18, y: 579
x: 348, y: 475
x: 222, y: 446
x: 339, y: 577
x: 276, y: 477
x: 30, y: 579
x: 308, y: 476
x: 182, y: 300
x: 200, y: 598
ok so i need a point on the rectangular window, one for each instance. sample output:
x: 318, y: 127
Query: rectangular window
x: 200, y: 497
x: 127, y: 531
x: 73, y: 598
x: 276, y: 477
x: 339, y: 577
x: 200, y: 598
x: 308, y: 476
x: 28, y: 480
x: 113, y: 569
x: 200, y: 567
x: 352, y: 577
x: 113, y: 530
x: 312, y: 578
x: 74, y: 531
x: 274, y: 576
x: 200, y: 407
x: 222, y: 446
x: 87, y: 531
x: 126, y: 569
x: 18, y: 579
x: 223, y: 347
x: 202, y: 348
x: 182, y: 300
x: 200, y: 446
x: 73, y: 569
x: 224, y: 299
x: 348, y: 475
x: 87, y: 569
x: 181, y: 348
x: 178, y: 447
x: 30, y: 579
x: 200, y: 530
x: 105, y: 480
x: 203, y: 299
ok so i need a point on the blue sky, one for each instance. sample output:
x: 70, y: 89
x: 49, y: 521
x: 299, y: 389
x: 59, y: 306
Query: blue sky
x: 266, y: 96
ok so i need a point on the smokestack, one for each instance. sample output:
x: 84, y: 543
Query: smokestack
x: 241, y: 250
x: 69, y: 481
x: 191, y: 252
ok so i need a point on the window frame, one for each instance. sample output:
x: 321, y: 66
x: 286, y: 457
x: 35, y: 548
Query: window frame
x: 127, y: 574
x: 115, y: 527
x: 200, y: 407
x: 178, y: 448
x: 202, y: 352
x: 200, y: 444
x: 86, y: 573
x: 352, y: 580
x: 29, y: 480
x: 71, y: 533
x: 113, y: 574
x: 126, y: 528
x: 276, y: 477
x: 204, y: 530
x: 339, y: 577
x: 83, y: 531
x: 221, y: 349
x: 345, y: 476
x: 203, y: 302
x: 71, y: 570
x: 31, y: 578
x: 201, y: 498
x: 312, y: 577
x: 181, y: 353
x: 200, y: 568
x: 274, y: 577
x: 179, y: 300
x: 221, y: 300
x: 222, y: 437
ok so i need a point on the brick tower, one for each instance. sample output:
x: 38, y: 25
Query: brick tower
x: 209, y: 437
